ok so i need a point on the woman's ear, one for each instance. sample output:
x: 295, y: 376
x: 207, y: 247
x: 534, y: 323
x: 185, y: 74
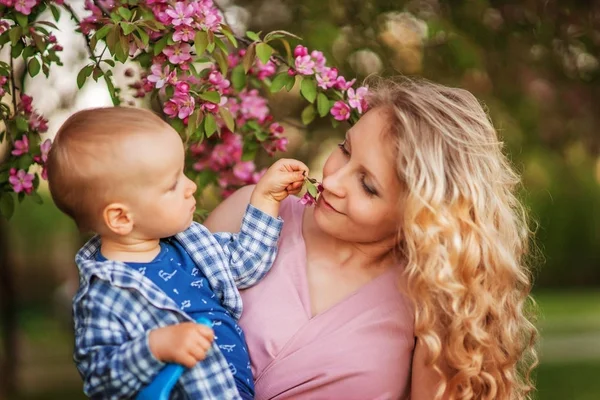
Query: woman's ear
x: 118, y: 219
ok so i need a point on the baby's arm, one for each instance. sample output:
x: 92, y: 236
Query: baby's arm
x: 252, y: 251
x: 111, y: 362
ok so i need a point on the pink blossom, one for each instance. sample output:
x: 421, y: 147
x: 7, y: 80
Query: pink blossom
x: 183, y: 33
x: 265, y: 70
x: 181, y: 14
x: 217, y: 79
x: 44, y: 150
x: 26, y: 102
x: 340, y: 111
x: 326, y: 78
x: 305, y: 65
x: 253, y: 106
x: 341, y: 84
x: 276, y: 129
x: 180, y: 105
x: 21, y: 181
x: 182, y: 88
x: 4, y: 26
x: 244, y: 170
x: 21, y: 146
x: 178, y: 53
x: 319, y: 59
x: 24, y: 6
x: 38, y: 123
x: 207, y: 15
x: 356, y: 99
x: 160, y: 76
x: 300, y: 51
x: 308, y: 200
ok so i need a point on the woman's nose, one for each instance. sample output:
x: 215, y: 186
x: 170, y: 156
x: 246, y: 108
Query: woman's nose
x: 335, y: 182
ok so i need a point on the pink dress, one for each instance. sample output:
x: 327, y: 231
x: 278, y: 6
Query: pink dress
x: 361, y: 348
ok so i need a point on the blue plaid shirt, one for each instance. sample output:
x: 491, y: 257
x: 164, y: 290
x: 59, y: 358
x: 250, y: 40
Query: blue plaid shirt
x: 116, y: 307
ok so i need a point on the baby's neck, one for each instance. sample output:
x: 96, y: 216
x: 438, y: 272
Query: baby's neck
x: 129, y: 250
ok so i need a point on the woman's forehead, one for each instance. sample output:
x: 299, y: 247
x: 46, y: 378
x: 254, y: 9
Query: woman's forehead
x: 373, y: 148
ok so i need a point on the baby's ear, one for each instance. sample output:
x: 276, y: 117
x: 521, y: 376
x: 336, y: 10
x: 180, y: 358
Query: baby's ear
x: 118, y: 218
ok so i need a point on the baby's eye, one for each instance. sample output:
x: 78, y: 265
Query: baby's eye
x: 174, y: 186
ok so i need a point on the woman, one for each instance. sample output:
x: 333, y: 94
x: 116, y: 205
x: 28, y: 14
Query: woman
x: 407, y: 279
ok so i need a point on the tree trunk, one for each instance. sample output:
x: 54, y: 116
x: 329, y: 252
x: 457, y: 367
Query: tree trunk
x: 8, y: 315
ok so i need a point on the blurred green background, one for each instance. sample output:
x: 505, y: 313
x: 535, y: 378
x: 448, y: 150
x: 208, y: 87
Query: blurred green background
x: 535, y: 65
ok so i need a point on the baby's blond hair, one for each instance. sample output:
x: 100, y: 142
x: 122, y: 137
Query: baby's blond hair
x: 86, y: 155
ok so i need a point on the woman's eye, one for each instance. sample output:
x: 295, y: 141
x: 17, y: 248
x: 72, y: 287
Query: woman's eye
x: 368, y: 190
x: 342, y: 147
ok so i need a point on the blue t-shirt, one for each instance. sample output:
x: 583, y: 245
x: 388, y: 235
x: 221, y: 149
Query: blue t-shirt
x: 175, y: 273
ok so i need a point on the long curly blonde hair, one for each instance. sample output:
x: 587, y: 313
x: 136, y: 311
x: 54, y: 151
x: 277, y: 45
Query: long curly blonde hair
x: 465, y: 238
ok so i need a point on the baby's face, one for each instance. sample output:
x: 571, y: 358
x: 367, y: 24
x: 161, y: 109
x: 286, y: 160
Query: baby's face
x: 164, y: 202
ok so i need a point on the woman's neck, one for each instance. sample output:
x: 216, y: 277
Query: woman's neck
x: 373, y: 255
x: 128, y: 249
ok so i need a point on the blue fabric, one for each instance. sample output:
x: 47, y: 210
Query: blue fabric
x: 175, y: 273
x: 116, y: 306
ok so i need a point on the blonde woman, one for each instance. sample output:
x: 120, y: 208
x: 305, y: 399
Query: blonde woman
x: 407, y: 279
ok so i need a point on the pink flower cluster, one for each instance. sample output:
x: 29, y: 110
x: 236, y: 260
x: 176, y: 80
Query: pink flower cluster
x: 21, y: 180
x: 224, y: 157
x: 186, y: 16
x: 327, y: 78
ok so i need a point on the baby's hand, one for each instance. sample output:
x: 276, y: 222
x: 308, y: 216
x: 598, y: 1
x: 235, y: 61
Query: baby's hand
x: 284, y: 177
x: 185, y: 343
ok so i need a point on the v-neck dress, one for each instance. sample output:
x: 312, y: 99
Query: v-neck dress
x: 360, y: 348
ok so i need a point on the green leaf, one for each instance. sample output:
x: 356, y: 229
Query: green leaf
x: 261, y: 135
x: 111, y: 90
x: 15, y: 35
x: 278, y: 34
x: 7, y: 204
x: 312, y: 189
x: 229, y: 35
x: 249, y: 150
x: 308, y: 88
x: 238, y: 78
x: 323, y: 104
x: 290, y: 85
x: 125, y: 13
x: 21, y: 19
x: 248, y: 59
x: 160, y: 45
x: 221, y: 60
x: 210, y: 125
x: 264, y: 51
x: 102, y: 32
x: 144, y: 36
x: 200, y: 42
x: 127, y: 27
x: 193, y: 122
x: 22, y: 124
x: 16, y: 50
x: 308, y: 114
x: 228, y: 118
x: 33, y: 67
x: 84, y: 74
x: 213, y: 97
x: 221, y: 45
x: 280, y: 80
x: 253, y: 36
x: 24, y: 162
x: 55, y: 12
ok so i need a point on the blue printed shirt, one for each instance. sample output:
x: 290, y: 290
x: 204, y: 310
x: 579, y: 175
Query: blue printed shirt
x: 176, y: 274
x: 116, y: 306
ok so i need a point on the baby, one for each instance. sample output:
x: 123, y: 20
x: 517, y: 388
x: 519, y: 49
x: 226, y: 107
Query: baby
x: 151, y: 271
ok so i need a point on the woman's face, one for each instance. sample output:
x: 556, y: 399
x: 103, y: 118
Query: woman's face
x: 361, y: 190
